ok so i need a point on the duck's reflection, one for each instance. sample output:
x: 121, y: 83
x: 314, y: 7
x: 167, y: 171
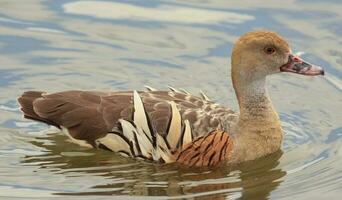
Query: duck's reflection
x: 252, y: 180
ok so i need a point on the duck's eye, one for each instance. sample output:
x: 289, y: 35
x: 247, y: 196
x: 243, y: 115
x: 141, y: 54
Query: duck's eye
x: 270, y: 50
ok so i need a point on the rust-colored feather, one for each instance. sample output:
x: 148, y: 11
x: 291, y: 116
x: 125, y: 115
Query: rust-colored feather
x: 208, y: 150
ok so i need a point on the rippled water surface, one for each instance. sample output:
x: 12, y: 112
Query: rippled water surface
x: 104, y: 45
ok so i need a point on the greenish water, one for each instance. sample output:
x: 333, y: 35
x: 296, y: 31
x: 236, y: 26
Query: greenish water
x: 105, y: 45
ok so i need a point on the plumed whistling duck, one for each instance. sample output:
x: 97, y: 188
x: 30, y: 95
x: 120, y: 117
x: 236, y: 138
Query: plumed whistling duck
x: 175, y: 126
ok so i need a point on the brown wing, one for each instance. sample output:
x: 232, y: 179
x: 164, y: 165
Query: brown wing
x: 208, y: 150
x: 77, y: 111
x: 91, y: 115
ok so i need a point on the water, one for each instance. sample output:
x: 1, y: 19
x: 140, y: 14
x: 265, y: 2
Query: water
x: 103, y: 45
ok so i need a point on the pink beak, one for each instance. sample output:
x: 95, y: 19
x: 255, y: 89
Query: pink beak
x: 299, y: 66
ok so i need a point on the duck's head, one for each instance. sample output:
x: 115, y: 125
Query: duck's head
x: 260, y: 53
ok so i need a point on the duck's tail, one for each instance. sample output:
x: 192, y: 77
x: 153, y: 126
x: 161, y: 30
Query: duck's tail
x: 26, y: 101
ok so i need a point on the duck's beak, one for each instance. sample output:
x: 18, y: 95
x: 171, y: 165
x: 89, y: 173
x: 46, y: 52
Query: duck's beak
x: 299, y: 66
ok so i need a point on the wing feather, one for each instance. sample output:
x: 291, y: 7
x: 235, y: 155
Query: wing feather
x: 140, y: 115
x: 129, y: 132
x: 149, y: 88
x: 175, y: 127
x: 187, y: 137
x: 204, y: 96
x: 116, y: 143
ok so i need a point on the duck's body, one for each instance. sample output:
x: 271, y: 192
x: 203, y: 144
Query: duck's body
x: 107, y: 120
x: 174, y: 126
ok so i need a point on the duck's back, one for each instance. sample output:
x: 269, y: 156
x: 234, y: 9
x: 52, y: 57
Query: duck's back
x: 112, y: 120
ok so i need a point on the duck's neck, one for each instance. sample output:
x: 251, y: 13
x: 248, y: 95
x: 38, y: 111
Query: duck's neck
x: 254, y: 101
x: 256, y: 109
x: 258, y: 131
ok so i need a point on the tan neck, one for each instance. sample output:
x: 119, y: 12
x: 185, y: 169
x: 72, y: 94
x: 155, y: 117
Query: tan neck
x: 258, y: 131
x: 254, y: 101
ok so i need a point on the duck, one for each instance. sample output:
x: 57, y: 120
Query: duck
x: 175, y: 126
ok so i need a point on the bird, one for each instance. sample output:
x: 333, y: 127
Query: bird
x: 175, y: 126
